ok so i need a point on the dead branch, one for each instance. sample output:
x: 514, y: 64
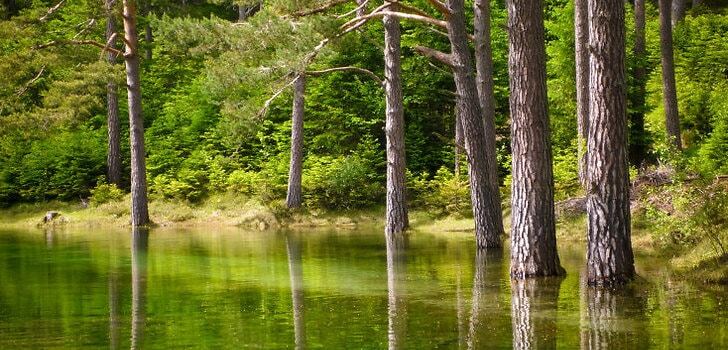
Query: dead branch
x: 354, y: 10
x: 350, y: 69
x: 78, y: 42
x: 437, y: 55
x: 52, y: 10
x: 319, y: 9
x: 268, y: 102
x: 440, y: 7
x: 403, y: 15
x: 27, y: 85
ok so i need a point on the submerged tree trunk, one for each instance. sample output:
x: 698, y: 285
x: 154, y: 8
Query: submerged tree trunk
x: 139, y: 210
x: 609, y: 255
x: 678, y: 11
x: 140, y: 242
x: 531, y: 301
x: 581, y: 40
x: 638, y: 138
x: 113, y: 155
x: 484, y: 77
x: 294, y: 198
x: 533, y: 228
x: 669, y: 90
x: 396, y: 307
x: 397, y: 219
x: 468, y: 108
x: 295, y: 268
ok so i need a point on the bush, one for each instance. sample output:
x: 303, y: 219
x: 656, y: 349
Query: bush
x: 104, y: 193
x: 340, y: 183
x: 444, y: 194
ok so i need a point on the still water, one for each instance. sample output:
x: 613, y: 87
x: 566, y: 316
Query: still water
x: 326, y: 289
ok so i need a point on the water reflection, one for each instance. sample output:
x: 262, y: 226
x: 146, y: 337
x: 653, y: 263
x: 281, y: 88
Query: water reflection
x: 485, y: 306
x: 295, y: 268
x: 533, y: 310
x: 113, y: 310
x: 139, y: 247
x: 397, y: 310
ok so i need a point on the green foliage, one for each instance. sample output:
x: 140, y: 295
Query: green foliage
x: 104, y: 193
x: 445, y: 194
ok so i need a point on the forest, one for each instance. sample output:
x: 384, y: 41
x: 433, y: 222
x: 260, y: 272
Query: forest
x: 454, y: 109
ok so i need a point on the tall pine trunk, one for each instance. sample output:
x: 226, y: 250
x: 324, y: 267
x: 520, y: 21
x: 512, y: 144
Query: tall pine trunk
x: 533, y: 228
x: 468, y: 108
x: 397, y: 219
x: 669, y: 90
x: 139, y: 209
x: 294, y: 198
x: 678, y: 11
x: 581, y: 40
x: 484, y: 81
x: 113, y: 155
x: 609, y: 255
x: 637, y: 137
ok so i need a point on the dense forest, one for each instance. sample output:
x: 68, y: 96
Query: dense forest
x: 447, y: 107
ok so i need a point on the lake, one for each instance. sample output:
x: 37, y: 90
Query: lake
x: 327, y: 289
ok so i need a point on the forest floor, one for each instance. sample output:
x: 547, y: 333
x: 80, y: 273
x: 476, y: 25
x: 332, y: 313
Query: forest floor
x: 660, y: 226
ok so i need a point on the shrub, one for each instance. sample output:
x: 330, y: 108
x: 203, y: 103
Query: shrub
x: 104, y: 193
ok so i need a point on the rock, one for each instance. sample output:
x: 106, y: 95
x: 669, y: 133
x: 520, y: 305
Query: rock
x: 50, y: 216
x: 571, y: 207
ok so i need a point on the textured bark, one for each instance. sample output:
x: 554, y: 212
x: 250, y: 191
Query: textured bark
x: 295, y: 268
x: 637, y: 137
x: 581, y: 40
x: 678, y: 11
x: 459, y: 143
x: 361, y: 8
x: 397, y: 218
x: 697, y: 3
x: 397, y: 311
x: 139, y: 244
x: 609, y: 255
x: 531, y: 301
x: 533, y: 226
x: 486, y: 307
x: 139, y: 209
x: 484, y: 81
x: 669, y: 90
x: 113, y: 155
x: 468, y: 108
x: 294, y: 198
x: 148, y: 39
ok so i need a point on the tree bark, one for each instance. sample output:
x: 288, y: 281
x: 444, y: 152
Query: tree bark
x: 361, y: 8
x: 459, y: 143
x: 484, y: 81
x: 669, y: 90
x: 637, y: 140
x: 140, y: 242
x: 295, y: 268
x: 397, y: 219
x: 533, y: 228
x: 609, y: 256
x: 468, y: 108
x: 148, y: 39
x: 113, y: 155
x: 139, y: 209
x: 294, y: 197
x: 581, y: 40
x: 396, y: 308
x: 678, y: 11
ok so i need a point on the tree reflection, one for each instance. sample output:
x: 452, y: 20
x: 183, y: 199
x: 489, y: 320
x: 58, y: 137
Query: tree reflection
x: 533, y: 311
x: 114, y: 309
x: 139, y: 247
x: 397, y: 315
x: 486, y: 306
x: 295, y: 267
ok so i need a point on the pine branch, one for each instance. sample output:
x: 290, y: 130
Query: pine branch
x: 363, y: 4
x: 437, y: 55
x: 403, y: 15
x: 52, y: 10
x: 78, y: 42
x: 350, y: 69
x: 323, y: 8
x: 27, y: 85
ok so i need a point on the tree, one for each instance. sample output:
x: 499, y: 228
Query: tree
x: 113, y: 157
x: 581, y: 41
x: 609, y: 255
x: 678, y: 11
x: 397, y: 218
x: 484, y: 81
x: 669, y: 90
x: 638, y: 143
x: 139, y: 205
x: 533, y: 228
x: 469, y: 110
x: 293, y: 197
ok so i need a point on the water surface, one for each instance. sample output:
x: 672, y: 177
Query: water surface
x: 350, y: 289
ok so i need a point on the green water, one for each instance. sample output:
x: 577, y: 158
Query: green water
x: 332, y: 290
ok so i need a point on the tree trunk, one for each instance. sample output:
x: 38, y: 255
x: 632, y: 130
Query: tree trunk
x: 697, y: 3
x: 147, y: 31
x: 396, y: 308
x: 113, y: 155
x: 638, y: 140
x: 581, y: 40
x: 459, y: 143
x: 487, y: 311
x: 362, y: 8
x: 678, y: 11
x: 397, y: 219
x: 669, y: 90
x: 533, y: 228
x: 139, y: 210
x: 295, y: 268
x: 294, y: 198
x: 140, y: 242
x: 531, y: 303
x: 484, y: 81
x: 609, y: 256
x: 468, y: 108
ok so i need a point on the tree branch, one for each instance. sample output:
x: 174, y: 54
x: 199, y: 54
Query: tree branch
x: 31, y: 82
x: 52, y: 10
x: 351, y: 69
x: 78, y: 42
x: 267, y: 103
x: 410, y: 16
x: 439, y: 56
x: 440, y: 7
x: 364, y: 4
x: 319, y: 9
